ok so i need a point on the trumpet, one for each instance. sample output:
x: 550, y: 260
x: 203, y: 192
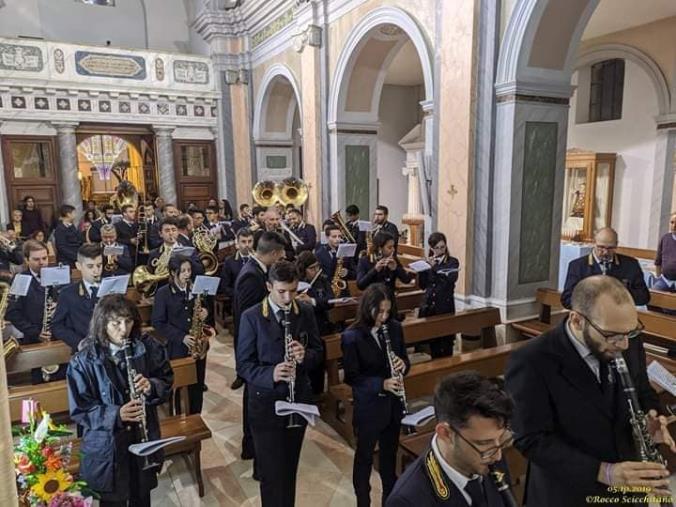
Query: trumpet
x: 393, y: 372
x: 288, y: 357
x: 48, y: 314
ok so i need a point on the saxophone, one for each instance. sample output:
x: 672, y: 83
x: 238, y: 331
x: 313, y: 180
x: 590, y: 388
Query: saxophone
x: 645, y: 447
x: 199, y: 349
x: 47, y: 315
x: 338, y: 285
x: 288, y: 358
x: 393, y: 372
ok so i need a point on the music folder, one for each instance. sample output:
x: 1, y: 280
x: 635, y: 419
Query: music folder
x: 115, y: 219
x: 184, y: 252
x: 113, y: 250
x: 420, y: 417
x: 20, y: 285
x: 56, y: 275
x: 148, y: 448
x: 364, y: 225
x: 346, y: 250
x: 205, y: 284
x: 113, y: 285
x: 305, y: 410
x: 419, y: 266
x: 303, y: 286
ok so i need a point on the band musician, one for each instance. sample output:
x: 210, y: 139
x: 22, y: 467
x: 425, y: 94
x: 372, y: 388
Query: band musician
x: 114, y: 265
x: 327, y: 255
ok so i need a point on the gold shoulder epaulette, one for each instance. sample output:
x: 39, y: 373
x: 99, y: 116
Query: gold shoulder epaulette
x: 81, y: 290
x: 436, y: 476
x: 265, y: 309
x: 294, y: 305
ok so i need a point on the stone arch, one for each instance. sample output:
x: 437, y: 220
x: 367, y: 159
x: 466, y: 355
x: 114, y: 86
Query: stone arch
x: 280, y: 90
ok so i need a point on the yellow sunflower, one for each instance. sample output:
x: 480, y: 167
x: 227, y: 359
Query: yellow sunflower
x: 51, y: 483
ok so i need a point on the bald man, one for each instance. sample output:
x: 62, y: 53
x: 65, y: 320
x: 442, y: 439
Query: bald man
x: 603, y: 260
x: 271, y: 221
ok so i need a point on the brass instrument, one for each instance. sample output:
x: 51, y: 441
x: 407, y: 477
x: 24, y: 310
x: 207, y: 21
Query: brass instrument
x: 199, y: 350
x: 498, y: 477
x: 125, y: 193
x: 288, y: 357
x: 338, y: 285
x: 288, y: 191
x: 11, y: 346
x: 146, y: 282
x: 205, y: 243
x: 142, y: 232
x: 646, y: 449
x: 110, y: 265
x: 295, y: 240
x: 338, y: 220
x: 264, y: 193
x: 393, y: 372
x: 47, y: 315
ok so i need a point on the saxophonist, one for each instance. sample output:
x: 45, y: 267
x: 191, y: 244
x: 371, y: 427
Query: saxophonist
x: 100, y: 403
x: 376, y: 389
x: 114, y: 265
x: 571, y: 418
x: 328, y: 260
x: 173, y: 316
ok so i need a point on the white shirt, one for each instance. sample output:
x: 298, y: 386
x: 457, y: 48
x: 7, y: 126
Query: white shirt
x: 275, y: 308
x: 585, y: 353
x: 374, y: 334
x: 453, y: 475
x: 89, y: 286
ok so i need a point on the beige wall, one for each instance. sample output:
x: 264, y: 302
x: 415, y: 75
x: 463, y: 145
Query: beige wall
x: 288, y: 58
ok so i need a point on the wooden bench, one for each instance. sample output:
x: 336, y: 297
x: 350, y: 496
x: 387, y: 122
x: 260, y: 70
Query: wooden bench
x: 548, y: 299
x: 661, y: 299
x: 37, y: 355
x: 53, y: 398
x: 407, y: 300
x: 414, y: 251
x: 420, y: 381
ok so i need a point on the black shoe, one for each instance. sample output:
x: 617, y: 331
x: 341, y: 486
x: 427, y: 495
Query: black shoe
x: 237, y: 383
x: 205, y: 388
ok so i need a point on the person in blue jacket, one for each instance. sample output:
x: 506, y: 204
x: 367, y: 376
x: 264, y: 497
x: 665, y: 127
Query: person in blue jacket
x: 101, y: 405
x: 376, y: 389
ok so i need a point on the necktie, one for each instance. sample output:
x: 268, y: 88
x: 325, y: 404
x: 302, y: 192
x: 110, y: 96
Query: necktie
x: 280, y: 317
x: 94, y: 290
x: 475, y: 490
x: 607, y: 386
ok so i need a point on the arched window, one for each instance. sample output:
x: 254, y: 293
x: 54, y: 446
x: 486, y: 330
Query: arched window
x: 606, y: 90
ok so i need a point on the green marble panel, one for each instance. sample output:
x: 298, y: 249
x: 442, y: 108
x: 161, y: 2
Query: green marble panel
x: 539, y: 170
x: 357, y: 175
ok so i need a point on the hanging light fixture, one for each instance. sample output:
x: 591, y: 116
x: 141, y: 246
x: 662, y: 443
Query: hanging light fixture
x: 102, y: 151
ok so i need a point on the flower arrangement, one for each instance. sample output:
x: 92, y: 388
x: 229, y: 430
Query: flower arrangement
x: 41, y: 459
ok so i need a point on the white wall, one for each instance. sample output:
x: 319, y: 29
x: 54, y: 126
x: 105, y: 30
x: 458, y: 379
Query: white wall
x: 122, y: 25
x: 398, y: 114
x: 633, y: 139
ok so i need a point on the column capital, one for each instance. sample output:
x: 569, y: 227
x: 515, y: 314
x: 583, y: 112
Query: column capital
x: 163, y: 130
x: 65, y: 126
x: 409, y: 170
x: 427, y: 107
x: 311, y: 36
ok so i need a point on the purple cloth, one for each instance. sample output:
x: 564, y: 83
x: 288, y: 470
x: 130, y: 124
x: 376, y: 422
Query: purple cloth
x: 666, y: 256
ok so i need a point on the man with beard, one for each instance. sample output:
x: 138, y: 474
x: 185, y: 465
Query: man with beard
x: 571, y: 416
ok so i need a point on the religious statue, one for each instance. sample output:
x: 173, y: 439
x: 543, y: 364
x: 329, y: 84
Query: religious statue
x: 125, y: 193
x: 577, y: 209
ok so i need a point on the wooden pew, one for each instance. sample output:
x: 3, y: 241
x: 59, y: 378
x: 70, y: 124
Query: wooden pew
x: 661, y: 299
x: 480, y: 321
x: 639, y: 253
x: 405, y: 301
x: 37, y: 355
x: 53, y: 398
x: 414, y: 251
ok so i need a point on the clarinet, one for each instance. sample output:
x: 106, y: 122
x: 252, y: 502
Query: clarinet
x: 288, y: 358
x: 394, y: 373
x: 498, y: 477
x: 645, y: 447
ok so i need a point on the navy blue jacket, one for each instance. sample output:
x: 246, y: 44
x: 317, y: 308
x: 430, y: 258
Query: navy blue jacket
x: 250, y: 289
x: 125, y: 264
x: 366, y: 367
x: 626, y: 269
x: 238, y: 224
x: 154, y: 238
x: 184, y: 240
x: 13, y: 257
x: 95, y: 229
x: 232, y: 265
x: 172, y: 318
x: 26, y: 312
x: 367, y: 275
x: 392, y: 229
x: 328, y: 263
x: 439, y: 285
x: 125, y: 233
x: 261, y: 347
x: 322, y: 293
x: 67, y: 240
x: 95, y: 396
x: 74, y: 311
x: 308, y: 235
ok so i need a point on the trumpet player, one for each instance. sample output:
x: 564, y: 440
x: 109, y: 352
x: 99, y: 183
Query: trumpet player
x: 172, y: 319
x: 327, y: 254
x: 244, y: 219
x: 233, y: 264
x: 102, y: 403
x: 271, y: 223
x: 377, y: 388
x: 114, y: 265
x: 263, y: 361
x: 127, y: 229
x: 572, y: 419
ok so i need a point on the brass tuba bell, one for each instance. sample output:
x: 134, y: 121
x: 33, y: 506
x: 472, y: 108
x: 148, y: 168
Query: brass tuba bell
x: 264, y: 193
x: 293, y: 191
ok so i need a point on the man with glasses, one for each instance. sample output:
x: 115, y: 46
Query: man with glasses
x: 472, y: 429
x: 571, y: 416
x: 603, y: 260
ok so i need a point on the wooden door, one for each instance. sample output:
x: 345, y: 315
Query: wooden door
x: 31, y: 168
x: 195, y: 164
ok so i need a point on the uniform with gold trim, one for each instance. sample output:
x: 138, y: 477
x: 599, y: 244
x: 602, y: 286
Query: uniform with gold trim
x: 123, y: 265
x: 328, y: 261
x: 26, y: 312
x: 73, y: 313
x: 232, y: 265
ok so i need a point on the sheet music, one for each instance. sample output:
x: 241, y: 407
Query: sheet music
x: 346, y: 250
x: 662, y: 377
x: 183, y: 251
x: 20, y: 285
x: 303, y: 286
x: 148, y: 448
x: 419, y: 266
x: 308, y: 412
x: 364, y: 225
x: 113, y: 285
x: 208, y: 284
x: 113, y: 250
x: 115, y: 219
x: 57, y: 275
x: 420, y: 417
x: 338, y: 301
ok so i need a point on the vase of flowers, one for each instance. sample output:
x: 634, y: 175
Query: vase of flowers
x: 41, y: 459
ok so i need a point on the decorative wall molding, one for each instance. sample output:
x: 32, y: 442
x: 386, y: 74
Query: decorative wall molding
x: 274, y: 72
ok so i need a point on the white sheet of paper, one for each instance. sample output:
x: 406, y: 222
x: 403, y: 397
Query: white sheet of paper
x: 662, y: 377
x: 148, y: 448
x: 420, y: 417
x: 115, y: 219
x: 303, y: 286
x: 448, y: 271
x: 346, y: 250
x: 208, y: 284
x: 338, y: 301
x: 419, y: 266
x: 364, y: 225
x: 20, y: 285
x: 113, y: 285
x: 225, y: 244
x: 183, y: 251
x: 113, y: 250
x: 308, y: 412
x: 56, y: 275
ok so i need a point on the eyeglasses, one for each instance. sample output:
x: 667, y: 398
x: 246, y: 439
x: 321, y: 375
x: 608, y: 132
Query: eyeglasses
x: 615, y: 336
x: 493, y: 451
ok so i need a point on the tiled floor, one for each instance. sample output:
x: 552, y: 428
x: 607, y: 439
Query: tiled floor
x: 325, y: 472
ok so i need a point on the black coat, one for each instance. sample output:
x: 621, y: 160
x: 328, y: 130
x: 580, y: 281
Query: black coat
x: 172, y: 318
x: 32, y: 221
x: 562, y: 423
x: 95, y: 229
x: 26, y: 312
x: 416, y: 486
x: 392, y: 229
x: 439, y: 285
x: 125, y: 233
x: 73, y: 314
x: 367, y: 275
x: 95, y: 396
x: 261, y: 347
x: 359, y: 237
x: 154, y: 238
x: 322, y: 293
x: 67, y: 240
x: 232, y: 265
x: 308, y: 235
x: 366, y: 368
x: 250, y: 289
x: 626, y: 269
x: 15, y: 256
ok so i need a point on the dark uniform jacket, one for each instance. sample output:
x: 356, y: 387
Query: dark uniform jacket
x: 125, y: 264
x: 626, y: 269
x: 26, y: 312
x: 289, y: 252
x: 125, y: 233
x: 328, y: 262
x: 172, y: 318
x: 308, y: 235
x: 95, y: 229
x: 563, y: 423
x: 154, y: 238
x: 238, y: 224
x: 367, y: 275
x: 322, y: 293
x: 439, y: 285
x: 425, y: 483
x: 74, y: 311
x: 261, y: 347
x: 7, y: 258
x: 32, y: 221
x: 359, y: 237
x: 67, y: 240
x: 366, y: 367
x: 250, y: 289
x: 184, y: 240
x: 392, y: 229
x: 232, y: 265
x: 97, y: 388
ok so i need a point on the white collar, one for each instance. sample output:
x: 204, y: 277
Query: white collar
x: 274, y: 307
x: 114, y: 349
x: 35, y: 275
x: 453, y: 475
x: 263, y: 266
x: 89, y: 286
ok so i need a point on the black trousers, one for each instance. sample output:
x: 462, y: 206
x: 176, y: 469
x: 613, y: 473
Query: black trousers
x: 196, y: 391
x: 277, y: 455
x: 387, y: 439
x: 248, y: 451
x: 141, y: 501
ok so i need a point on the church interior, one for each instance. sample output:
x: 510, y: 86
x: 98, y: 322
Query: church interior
x: 531, y: 133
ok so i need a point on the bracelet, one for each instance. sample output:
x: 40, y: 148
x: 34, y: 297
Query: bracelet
x: 609, y: 468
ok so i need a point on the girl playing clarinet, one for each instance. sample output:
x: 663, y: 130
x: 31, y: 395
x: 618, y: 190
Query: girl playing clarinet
x: 377, y: 388
x: 99, y: 398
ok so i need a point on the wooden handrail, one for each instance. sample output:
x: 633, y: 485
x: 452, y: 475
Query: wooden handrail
x: 347, y: 311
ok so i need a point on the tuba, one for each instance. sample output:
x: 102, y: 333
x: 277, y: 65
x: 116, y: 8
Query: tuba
x: 146, y: 282
x: 125, y: 193
x: 205, y: 243
x: 293, y: 191
x: 264, y: 193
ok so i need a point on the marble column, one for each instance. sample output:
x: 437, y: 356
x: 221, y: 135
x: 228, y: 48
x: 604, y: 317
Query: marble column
x: 411, y: 172
x: 4, y: 196
x: 241, y: 138
x: 68, y: 171
x: 661, y: 206
x: 165, y: 164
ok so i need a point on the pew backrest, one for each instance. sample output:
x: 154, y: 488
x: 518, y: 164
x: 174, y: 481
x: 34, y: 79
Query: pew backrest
x: 407, y: 300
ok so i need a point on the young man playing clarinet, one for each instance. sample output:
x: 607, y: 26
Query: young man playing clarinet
x: 278, y: 344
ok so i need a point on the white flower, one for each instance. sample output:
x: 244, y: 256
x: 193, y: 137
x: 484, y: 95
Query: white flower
x: 42, y: 429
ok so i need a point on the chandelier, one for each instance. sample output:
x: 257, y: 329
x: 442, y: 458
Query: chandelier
x: 102, y: 151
